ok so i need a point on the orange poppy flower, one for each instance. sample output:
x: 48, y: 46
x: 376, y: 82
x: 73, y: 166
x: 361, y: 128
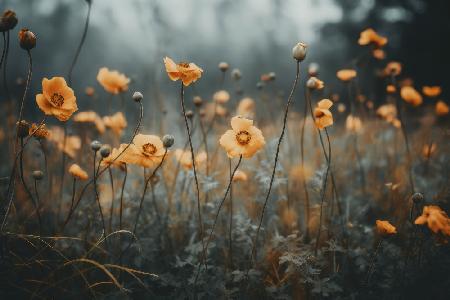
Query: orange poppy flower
x: 436, y: 219
x: 185, y: 158
x: 112, y: 81
x: 431, y: 91
x: 90, y: 117
x: 353, y: 124
x: 411, y: 96
x: 391, y: 89
x: 77, y: 172
x: 117, y: 122
x: 384, y: 227
x: 244, y: 138
x: 240, y: 176
x: 346, y: 74
x: 184, y: 71
x: 393, y: 68
x: 322, y: 114
x: 442, y: 108
x: 378, y: 54
x: 57, y: 99
x: 150, y: 150
x: 221, y: 97
x: 246, y: 108
x: 369, y: 36
x: 122, y: 155
x: 387, y: 112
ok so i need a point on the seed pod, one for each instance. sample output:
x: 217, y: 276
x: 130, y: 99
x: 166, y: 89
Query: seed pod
x: 105, y: 151
x: 27, y: 39
x: 96, y: 145
x: 168, y: 140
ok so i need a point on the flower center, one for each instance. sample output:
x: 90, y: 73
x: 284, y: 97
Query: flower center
x: 243, y: 137
x: 319, y: 114
x: 183, y: 64
x: 57, y: 99
x: 149, y: 149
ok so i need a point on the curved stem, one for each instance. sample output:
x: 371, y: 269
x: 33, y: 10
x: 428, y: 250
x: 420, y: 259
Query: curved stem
x: 111, y: 211
x: 200, y: 221
x: 255, y: 242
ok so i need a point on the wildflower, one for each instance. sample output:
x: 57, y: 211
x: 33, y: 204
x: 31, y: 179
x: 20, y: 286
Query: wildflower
x: 185, y: 158
x: 221, y: 97
x: 117, y: 122
x: 436, y: 219
x: 57, y: 99
x: 390, y: 89
x: 384, y: 227
x: 246, y: 108
x: 27, y: 39
x: 393, y: 68
x: 369, y: 36
x: 112, y: 81
x: 346, y: 74
x: 428, y: 149
x: 125, y: 154
x: 322, y: 114
x: 353, y: 123
x: 387, y: 111
x: 411, y: 96
x: 314, y: 83
x: 150, y: 149
x: 244, y: 138
x: 299, y: 51
x: 184, y: 71
x: 442, y: 108
x: 378, y: 54
x: 77, y: 172
x: 223, y: 66
x: 90, y: 117
x: 240, y: 176
x: 39, y: 132
x: 431, y: 91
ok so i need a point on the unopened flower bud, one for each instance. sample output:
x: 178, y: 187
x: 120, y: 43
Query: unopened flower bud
x: 8, y: 21
x: 236, y: 74
x: 23, y: 129
x: 299, y: 51
x: 96, y: 145
x: 137, y: 96
x: 189, y: 114
x: 417, y: 198
x: 198, y: 101
x: 27, y: 39
x: 38, y: 175
x: 168, y: 140
x: 105, y: 151
x: 223, y: 66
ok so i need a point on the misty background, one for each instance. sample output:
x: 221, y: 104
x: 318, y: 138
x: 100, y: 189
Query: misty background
x: 255, y: 36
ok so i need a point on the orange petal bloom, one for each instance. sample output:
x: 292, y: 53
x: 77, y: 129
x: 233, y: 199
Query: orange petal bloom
x: 112, y: 81
x: 57, y: 99
x: 246, y: 108
x: 369, y: 36
x: 121, y: 156
x: 186, y: 72
x: 431, y: 91
x: 387, y: 112
x: 411, y: 96
x: 322, y: 114
x: 185, y: 158
x: 240, y: 176
x: 221, y: 97
x: 391, y: 89
x: 149, y: 150
x: 393, y: 68
x: 244, y: 138
x: 353, y: 124
x: 73, y: 143
x: 346, y: 74
x: 384, y: 227
x: 117, y: 123
x: 77, y: 172
x: 90, y: 117
x: 436, y: 219
x: 441, y: 108
x: 378, y: 54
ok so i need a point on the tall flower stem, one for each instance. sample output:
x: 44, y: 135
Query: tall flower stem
x: 372, y: 261
x: 111, y: 210
x: 36, y: 191
x: 324, y: 189
x: 4, y: 49
x: 199, y: 211
x: 218, y: 212
x: 121, y: 197
x: 255, y: 242
x: 97, y: 198
x: 230, y: 232
x: 5, y: 61
x: 74, y: 186
x: 302, y: 155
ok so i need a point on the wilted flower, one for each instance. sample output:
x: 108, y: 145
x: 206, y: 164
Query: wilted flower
x: 369, y: 36
x: 411, y: 96
x: 314, y: 83
x: 57, y: 99
x: 322, y: 114
x: 117, y: 122
x: 431, y: 91
x: 221, y: 96
x: 353, y: 123
x: 77, y: 172
x: 244, y: 138
x: 246, y: 108
x: 23, y: 128
x: 184, y: 71
x: 112, y: 81
x: 442, y: 108
x: 90, y: 117
x: 436, y: 219
x: 39, y: 132
x: 346, y: 74
x: 384, y: 227
x: 185, y: 158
